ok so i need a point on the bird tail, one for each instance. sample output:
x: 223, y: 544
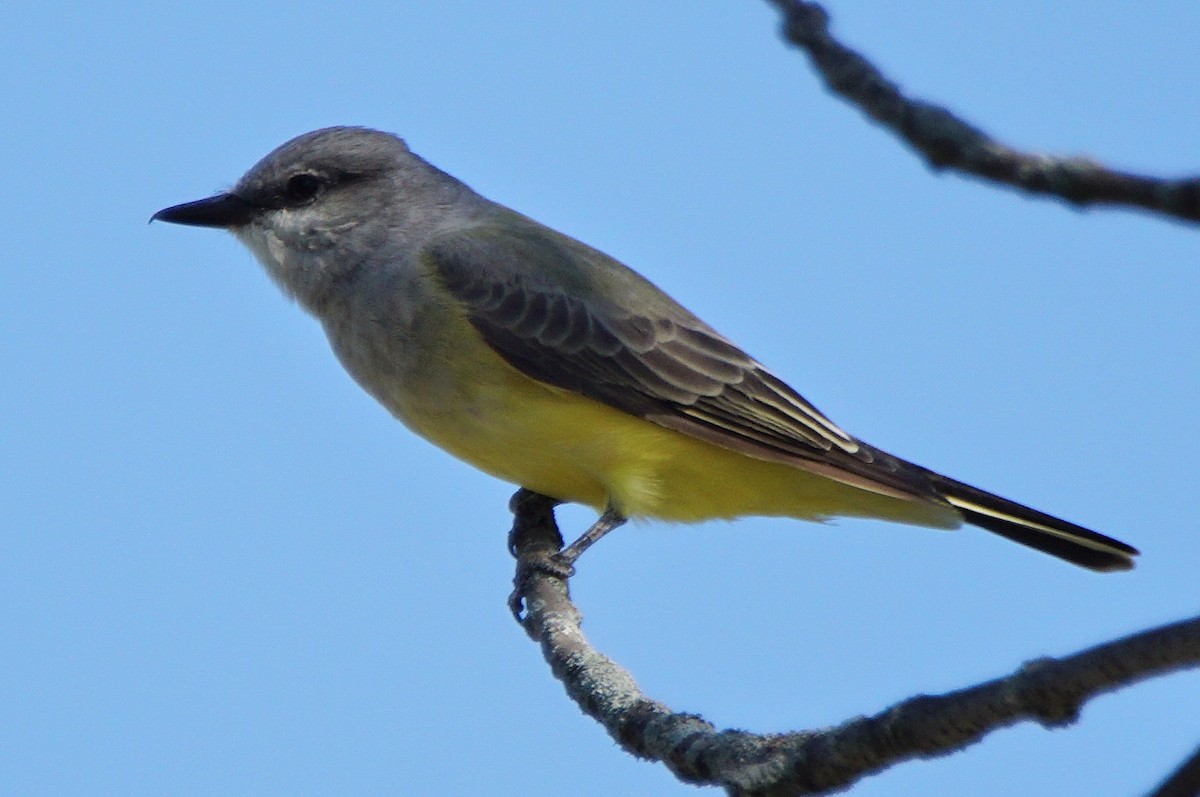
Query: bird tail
x: 1035, y: 529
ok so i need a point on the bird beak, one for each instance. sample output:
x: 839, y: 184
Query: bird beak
x: 222, y: 210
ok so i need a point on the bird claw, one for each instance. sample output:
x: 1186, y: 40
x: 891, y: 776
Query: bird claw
x: 530, y: 565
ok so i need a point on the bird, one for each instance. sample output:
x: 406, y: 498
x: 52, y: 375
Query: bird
x: 548, y: 364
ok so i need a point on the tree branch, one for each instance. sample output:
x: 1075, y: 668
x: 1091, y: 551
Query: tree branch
x: 948, y: 142
x: 1184, y: 781
x: 1047, y: 691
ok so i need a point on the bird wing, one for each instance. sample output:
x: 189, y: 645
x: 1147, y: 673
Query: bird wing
x: 572, y: 317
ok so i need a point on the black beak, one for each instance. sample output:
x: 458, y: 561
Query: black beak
x: 222, y: 210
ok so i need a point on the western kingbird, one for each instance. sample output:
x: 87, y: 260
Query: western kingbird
x: 549, y: 364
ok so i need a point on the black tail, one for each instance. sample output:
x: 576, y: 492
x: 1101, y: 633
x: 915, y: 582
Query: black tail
x: 1046, y: 533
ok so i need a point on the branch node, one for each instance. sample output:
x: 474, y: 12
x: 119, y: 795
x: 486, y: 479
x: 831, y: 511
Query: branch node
x: 1039, y: 690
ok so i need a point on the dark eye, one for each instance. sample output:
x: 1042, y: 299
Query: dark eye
x: 303, y: 187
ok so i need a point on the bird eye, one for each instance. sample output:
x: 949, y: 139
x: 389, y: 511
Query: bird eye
x: 303, y: 187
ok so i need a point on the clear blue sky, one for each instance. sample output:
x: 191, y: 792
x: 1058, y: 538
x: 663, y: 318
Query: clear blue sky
x: 225, y: 571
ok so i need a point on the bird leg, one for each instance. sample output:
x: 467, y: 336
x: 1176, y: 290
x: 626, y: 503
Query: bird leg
x: 536, y: 543
x: 611, y: 519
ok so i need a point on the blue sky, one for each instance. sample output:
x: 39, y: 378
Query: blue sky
x: 225, y: 571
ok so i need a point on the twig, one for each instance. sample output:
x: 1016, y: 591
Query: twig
x: 948, y: 142
x: 1184, y: 781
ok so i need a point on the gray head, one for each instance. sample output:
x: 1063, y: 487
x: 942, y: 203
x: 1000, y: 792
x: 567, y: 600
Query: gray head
x: 317, y: 206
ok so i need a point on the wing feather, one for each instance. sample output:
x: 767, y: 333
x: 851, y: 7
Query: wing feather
x: 572, y: 317
x: 547, y: 305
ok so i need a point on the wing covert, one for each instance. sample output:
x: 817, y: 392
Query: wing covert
x: 568, y: 315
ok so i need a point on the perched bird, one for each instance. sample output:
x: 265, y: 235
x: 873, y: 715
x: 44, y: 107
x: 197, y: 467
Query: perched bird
x: 549, y: 364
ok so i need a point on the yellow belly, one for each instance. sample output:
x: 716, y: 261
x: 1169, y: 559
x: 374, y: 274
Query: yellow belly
x: 575, y: 449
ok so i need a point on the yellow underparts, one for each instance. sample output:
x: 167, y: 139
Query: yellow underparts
x: 575, y: 449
